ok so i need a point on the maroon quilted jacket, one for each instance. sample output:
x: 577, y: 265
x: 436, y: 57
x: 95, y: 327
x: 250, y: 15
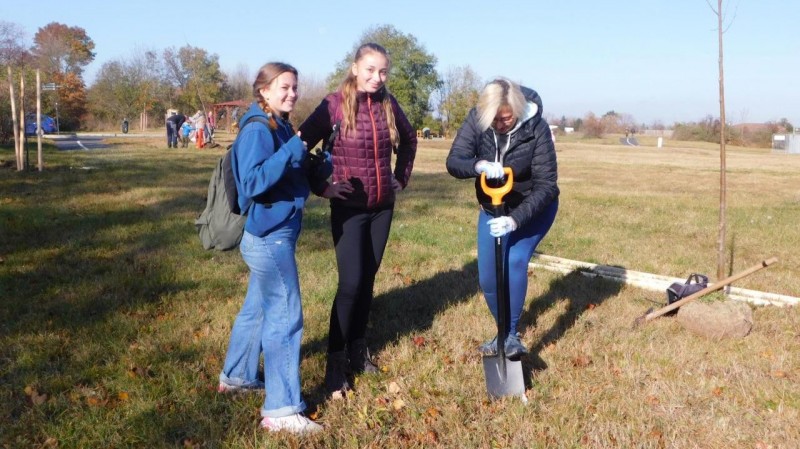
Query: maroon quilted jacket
x: 363, y: 155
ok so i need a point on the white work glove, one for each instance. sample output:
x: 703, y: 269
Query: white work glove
x: 501, y: 226
x: 493, y: 170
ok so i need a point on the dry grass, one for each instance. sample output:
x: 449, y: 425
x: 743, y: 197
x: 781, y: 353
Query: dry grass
x: 115, y: 321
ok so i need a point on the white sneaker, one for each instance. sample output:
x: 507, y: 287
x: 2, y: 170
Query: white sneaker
x: 296, y: 423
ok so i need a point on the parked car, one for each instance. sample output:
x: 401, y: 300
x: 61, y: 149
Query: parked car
x: 48, y: 124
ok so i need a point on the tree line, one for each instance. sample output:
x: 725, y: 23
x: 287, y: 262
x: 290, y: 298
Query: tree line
x: 149, y: 82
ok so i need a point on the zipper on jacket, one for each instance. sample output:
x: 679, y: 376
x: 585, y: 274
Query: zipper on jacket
x: 375, y: 148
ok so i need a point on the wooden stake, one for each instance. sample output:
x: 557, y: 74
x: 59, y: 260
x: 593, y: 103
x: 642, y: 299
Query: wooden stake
x: 15, y: 126
x: 39, y: 159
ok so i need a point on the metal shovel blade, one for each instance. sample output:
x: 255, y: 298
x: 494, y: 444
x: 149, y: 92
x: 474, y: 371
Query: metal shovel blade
x: 508, y: 383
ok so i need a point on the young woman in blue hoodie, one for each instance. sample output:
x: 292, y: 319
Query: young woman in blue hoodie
x: 273, y: 183
x: 506, y: 129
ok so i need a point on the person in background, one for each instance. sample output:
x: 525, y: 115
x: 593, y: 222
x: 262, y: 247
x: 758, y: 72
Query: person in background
x: 506, y: 129
x: 362, y: 195
x: 174, y: 123
x: 185, y: 132
x: 272, y: 181
x: 199, y: 121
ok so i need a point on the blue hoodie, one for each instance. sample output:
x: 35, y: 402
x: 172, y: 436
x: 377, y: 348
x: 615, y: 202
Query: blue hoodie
x: 271, y: 188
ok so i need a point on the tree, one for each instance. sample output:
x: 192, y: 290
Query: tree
x: 196, y: 75
x: 721, y: 238
x: 12, y: 46
x: 239, y: 84
x: 125, y: 87
x: 12, y: 55
x: 312, y: 90
x: 412, y: 78
x: 592, y: 126
x: 61, y: 52
x: 458, y: 93
x: 62, y: 49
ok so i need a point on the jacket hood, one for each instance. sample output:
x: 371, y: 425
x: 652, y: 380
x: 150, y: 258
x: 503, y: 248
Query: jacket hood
x: 534, y: 106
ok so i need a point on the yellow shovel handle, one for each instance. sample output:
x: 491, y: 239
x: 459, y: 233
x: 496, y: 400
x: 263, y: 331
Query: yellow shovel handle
x: 497, y: 193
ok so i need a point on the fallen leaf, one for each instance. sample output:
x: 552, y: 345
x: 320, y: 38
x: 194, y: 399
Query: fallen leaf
x: 38, y: 399
x: 95, y: 401
x: 432, y: 436
x: 590, y: 306
x: 419, y: 341
x: 384, y: 369
x: 717, y: 391
x: 398, y: 404
x: 122, y: 396
x: 447, y: 360
x: 393, y: 388
x: 762, y: 445
x: 407, y: 280
x: 581, y: 361
x: 314, y: 415
x: 652, y: 400
x: 433, y: 412
x: 50, y: 442
x: 779, y: 374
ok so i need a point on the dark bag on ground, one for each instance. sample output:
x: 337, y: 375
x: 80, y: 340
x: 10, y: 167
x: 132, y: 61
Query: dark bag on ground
x: 693, y: 284
x: 221, y: 224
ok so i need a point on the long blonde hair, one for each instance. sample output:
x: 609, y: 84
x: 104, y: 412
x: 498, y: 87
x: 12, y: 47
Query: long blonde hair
x: 349, y: 92
x: 266, y: 75
x: 499, y: 92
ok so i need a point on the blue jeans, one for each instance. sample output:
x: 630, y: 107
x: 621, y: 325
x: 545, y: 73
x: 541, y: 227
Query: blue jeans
x: 270, y: 321
x: 518, y: 248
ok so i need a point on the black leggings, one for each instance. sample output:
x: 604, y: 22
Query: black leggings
x: 359, y: 237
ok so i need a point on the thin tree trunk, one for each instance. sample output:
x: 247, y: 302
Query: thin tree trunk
x: 721, y: 239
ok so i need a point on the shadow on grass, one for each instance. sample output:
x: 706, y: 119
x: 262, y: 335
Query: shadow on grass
x: 407, y: 310
x: 581, y: 293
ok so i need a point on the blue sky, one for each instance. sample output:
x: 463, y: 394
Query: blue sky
x: 652, y: 59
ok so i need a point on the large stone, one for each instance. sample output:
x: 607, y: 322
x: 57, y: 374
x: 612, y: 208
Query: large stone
x: 718, y: 319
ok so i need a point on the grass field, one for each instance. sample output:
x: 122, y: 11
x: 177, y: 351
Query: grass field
x: 114, y: 321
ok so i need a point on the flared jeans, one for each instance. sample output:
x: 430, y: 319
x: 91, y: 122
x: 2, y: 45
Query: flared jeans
x: 270, y: 321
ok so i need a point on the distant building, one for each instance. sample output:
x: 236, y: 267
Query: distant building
x: 786, y: 143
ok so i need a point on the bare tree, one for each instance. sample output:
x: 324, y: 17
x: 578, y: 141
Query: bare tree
x: 239, y: 85
x: 458, y: 94
x: 723, y: 183
x: 312, y: 90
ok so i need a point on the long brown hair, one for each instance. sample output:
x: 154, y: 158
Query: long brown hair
x: 266, y: 75
x: 349, y: 90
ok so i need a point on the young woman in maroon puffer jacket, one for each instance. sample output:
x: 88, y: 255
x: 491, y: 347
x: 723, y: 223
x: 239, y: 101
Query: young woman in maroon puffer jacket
x: 362, y: 192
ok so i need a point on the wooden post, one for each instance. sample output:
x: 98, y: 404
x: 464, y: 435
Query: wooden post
x: 39, y: 159
x: 22, y: 121
x: 17, y: 144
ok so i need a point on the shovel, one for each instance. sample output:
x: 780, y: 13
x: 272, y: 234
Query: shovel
x: 503, y: 375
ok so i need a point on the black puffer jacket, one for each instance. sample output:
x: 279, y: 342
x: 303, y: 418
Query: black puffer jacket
x: 531, y: 155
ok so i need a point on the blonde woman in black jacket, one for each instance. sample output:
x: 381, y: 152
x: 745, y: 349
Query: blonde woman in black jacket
x: 506, y: 129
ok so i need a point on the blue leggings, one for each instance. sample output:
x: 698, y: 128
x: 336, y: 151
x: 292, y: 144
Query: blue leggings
x: 518, y: 248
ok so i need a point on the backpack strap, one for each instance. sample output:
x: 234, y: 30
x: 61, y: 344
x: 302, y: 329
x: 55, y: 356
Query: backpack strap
x: 230, y: 183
